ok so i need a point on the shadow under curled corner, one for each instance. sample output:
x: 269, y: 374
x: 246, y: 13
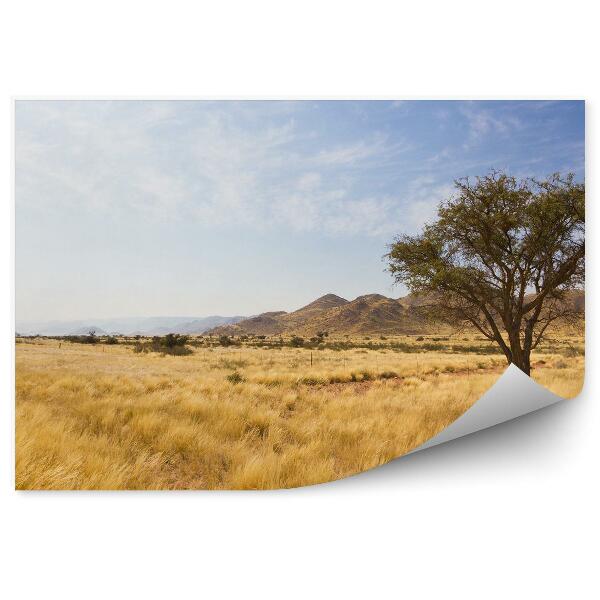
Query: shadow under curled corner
x: 512, y: 396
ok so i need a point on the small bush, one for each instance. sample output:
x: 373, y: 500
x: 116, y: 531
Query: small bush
x: 297, y: 342
x: 225, y: 340
x: 171, y: 340
x: 82, y: 339
x: 172, y: 344
x: 176, y: 350
x: 388, y: 375
x: 235, y: 378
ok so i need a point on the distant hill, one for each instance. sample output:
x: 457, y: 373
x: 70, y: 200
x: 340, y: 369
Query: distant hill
x: 281, y: 322
x: 369, y: 314
x: 372, y: 314
x: 126, y: 326
x: 86, y: 330
x: 195, y: 326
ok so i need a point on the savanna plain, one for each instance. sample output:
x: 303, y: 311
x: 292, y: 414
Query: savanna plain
x: 248, y: 414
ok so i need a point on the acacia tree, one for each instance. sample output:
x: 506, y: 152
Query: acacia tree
x: 501, y: 256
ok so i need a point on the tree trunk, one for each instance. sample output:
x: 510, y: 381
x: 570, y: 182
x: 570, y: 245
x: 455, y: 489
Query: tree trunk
x: 524, y: 364
x: 520, y: 357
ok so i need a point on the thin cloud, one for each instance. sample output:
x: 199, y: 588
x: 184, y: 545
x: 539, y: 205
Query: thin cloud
x: 483, y: 122
x: 257, y: 164
x: 163, y: 163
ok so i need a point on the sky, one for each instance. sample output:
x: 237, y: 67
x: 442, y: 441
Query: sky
x: 197, y: 208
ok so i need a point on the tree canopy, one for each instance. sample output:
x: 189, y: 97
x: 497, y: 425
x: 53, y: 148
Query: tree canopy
x: 502, y: 256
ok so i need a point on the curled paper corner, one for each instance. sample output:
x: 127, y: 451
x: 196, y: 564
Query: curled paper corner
x: 513, y: 395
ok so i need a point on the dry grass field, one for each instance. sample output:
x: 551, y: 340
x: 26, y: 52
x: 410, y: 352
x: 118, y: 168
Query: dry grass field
x: 243, y: 417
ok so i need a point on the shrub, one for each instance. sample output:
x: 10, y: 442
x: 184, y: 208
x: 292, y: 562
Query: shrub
x: 225, y: 340
x: 297, y: 342
x: 171, y: 340
x: 171, y: 343
x: 81, y: 339
x: 235, y: 378
x: 176, y: 350
x: 388, y: 375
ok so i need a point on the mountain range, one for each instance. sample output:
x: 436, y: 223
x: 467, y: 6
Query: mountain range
x: 126, y: 326
x: 371, y: 314
x: 368, y: 314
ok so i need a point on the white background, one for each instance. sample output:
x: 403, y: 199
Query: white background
x: 507, y: 513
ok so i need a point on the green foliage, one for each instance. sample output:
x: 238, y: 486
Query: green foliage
x: 172, y: 344
x: 225, y: 341
x: 171, y: 340
x: 81, y: 339
x: 500, y: 256
x: 235, y: 378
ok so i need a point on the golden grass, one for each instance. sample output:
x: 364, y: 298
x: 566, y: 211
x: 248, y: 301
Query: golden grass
x: 102, y: 417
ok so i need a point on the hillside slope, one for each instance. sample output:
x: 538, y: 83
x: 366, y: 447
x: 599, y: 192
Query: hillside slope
x: 371, y: 314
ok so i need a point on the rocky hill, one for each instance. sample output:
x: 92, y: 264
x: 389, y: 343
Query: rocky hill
x: 372, y: 314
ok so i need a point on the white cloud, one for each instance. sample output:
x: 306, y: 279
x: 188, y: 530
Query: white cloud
x: 483, y: 122
x: 352, y: 153
x: 161, y: 160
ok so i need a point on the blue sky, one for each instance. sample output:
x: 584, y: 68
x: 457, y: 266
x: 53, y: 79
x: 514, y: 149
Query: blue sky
x: 193, y: 208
